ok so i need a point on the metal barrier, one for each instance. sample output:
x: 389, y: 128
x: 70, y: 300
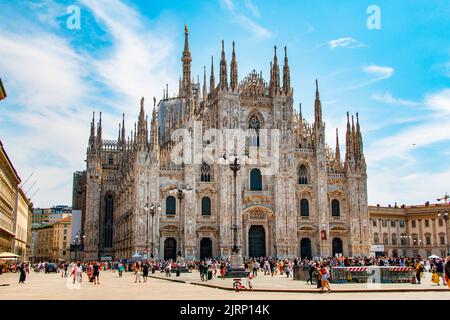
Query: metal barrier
x: 371, y: 274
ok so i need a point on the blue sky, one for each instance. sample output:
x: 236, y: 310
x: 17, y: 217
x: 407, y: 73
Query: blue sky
x: 397, y: 77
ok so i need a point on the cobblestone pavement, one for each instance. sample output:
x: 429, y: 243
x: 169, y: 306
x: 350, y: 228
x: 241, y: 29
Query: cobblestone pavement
x: 53, y: 286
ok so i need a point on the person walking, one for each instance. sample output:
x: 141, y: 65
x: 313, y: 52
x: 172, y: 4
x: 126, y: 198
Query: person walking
x: 311, y: 270
x: 137, y: 271
x: 447, y: 271
x: 145, y: 271
x: 23, y: 273
x: 325, y: 274
x: 419, y: 269
x: 89, y: 272
x: 77, y: 273
x: 121, y: 268
x: 318, y: 275
x: 222, y: 270
x: 255, y: 267
x: 96, y: 273
x: 168, y: 268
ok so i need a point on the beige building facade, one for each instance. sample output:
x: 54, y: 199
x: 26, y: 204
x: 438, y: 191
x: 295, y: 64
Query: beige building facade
x: 51, y: 242
x: 22, y: 226
x: 9, y: 181
x: 314, y: 204
x: 410, y: 230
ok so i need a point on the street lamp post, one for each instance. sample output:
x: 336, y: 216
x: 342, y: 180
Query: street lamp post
x: 153, y: 209
x: 237, y: 269
x: 235, y: 166
x: 146, y: 210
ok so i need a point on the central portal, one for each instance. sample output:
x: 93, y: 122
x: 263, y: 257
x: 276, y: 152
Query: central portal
x: 256, y: 242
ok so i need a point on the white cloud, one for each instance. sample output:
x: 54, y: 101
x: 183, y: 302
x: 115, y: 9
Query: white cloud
x: 439, y: 102
x: 252, y: 7
x: 387, y: 97
x: 379, y: 72
x: 52, y: 89
x: 345, y: 42
x: 137, y: 64
x: 244, y: 21
x: 434, y: 130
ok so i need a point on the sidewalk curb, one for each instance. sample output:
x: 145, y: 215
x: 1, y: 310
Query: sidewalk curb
x: 308, y: 290
x: 318, y: 291
x: 168, y: 279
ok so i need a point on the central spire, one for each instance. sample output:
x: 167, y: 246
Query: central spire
x: 186, y: 59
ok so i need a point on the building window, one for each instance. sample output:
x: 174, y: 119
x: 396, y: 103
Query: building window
x: 402, y: 223
x: 415, y: 240
x: 374, y: 222
x: 442, y: 240
x: 428, y: 240
x: 385, y: 238
x: 335, y: 208
x: 427, y: 223
x: 255, y: 180
x: 384, y: 223
x: 392, y: 223
x: 376, y: 240
x: 413, y: 223
x: 108, y: 226
x: 394, y: 239
x: 304, y: 208
x: 441, y: 222
x: 170, y: 205
x: 302, y: 174
x: 64, y: 252
x: 254, y: 126
x: 205, y: 172
x: 110, y: 160
x: 206, y: 206
x: 65, y: 231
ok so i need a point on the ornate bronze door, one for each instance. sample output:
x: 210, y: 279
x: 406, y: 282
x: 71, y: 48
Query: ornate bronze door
x: 257, y: 242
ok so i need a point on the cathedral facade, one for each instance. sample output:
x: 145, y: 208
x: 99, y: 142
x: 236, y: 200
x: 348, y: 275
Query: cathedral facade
x: 291, y: 195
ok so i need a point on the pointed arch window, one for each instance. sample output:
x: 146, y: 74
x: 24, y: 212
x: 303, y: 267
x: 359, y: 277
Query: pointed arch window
x: 205, y: 172
x: 302, y: 174
x: 108, y: 219
x: 255, y: 180
x: 304, y: 208
x: 335, y: 208
x: 376, y: 239
x: 206, y: 206
x: 254, y: 126
x: 170, y: 205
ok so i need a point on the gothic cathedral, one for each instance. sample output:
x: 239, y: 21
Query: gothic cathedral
x: 139, y: 200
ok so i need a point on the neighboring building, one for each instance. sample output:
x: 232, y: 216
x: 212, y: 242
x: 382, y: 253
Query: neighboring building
x: 51, y: 242
x: 9, y: 182
x: 51, y: 215
x: 409, y: 230
x: 316, y: 204
x: 41, y: 216
x: 22, y: 226
x: 2, y: 91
